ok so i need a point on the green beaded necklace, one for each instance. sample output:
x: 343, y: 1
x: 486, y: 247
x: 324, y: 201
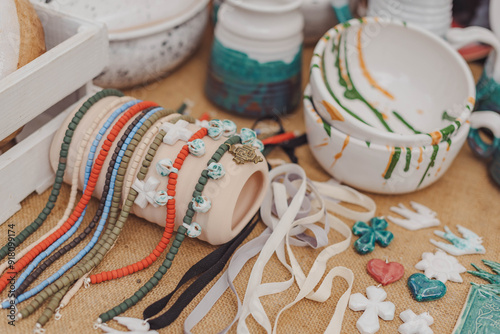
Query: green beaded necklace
x: 61, y: 167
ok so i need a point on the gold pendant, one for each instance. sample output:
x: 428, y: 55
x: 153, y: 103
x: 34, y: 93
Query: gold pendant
x: 244, y: 153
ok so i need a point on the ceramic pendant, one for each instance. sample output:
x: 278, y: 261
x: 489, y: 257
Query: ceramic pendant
x: 481, y: 312
x: 215, y: 129
x: 248, y: 136
x: 193, y: 230
x: 422, y: 218
x: 229, y: 127
x: 415, y: 324
x: 383, y: 272
x: 376, y: 233
x: 197, y: 147
x: 258, y: 143
x: 374, y: 307
x: 161, y: 198
x: 176, y: 132
x: 201, y: 204
x: 146, y: 191
x: 492, y: 278
x: 165, y: 166
x: 424, y: 289
x: 441, y: 266
x: 215, y: 170
x: 471, y: 243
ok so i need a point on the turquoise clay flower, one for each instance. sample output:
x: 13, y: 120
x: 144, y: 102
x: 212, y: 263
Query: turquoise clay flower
x: 197, y: 147
x: 229, y: 127
x: 215, y: 170
x: 201, y: 204
x: 258, y: 143
x: 165, y: 166
x: 248, y: 136
x: 370, y: 234
x: 215, y: 129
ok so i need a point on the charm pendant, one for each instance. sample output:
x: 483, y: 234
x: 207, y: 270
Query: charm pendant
x: 422, y: 218
x: 424, y: 289
x: 193, y: 230
x: 441, y: 266
x: 471, y: 243
x: 374, y: 306
x: 197, y: 147
x: 244, y: 153
x: 384, y: 272
x: 375, y: 233
x: 201, y: 204
x: 415, y: 324
x: 215, y: 170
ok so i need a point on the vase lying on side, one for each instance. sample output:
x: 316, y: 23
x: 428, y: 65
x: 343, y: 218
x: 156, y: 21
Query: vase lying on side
x: 256, y: 59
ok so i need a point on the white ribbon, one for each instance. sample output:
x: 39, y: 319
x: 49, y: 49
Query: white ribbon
x: 297, y: 204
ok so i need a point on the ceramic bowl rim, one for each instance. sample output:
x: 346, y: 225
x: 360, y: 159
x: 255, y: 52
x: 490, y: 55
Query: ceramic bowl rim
x: 463, y: 131
x: 273, y: 9
x: 162, y: 26
x: 377, y: 134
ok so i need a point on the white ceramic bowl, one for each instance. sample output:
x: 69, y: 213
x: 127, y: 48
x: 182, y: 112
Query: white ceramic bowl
x: 373, y: 167
x: 147, y: 39
x: 394, y: 82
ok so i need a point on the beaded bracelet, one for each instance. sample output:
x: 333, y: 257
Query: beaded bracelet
x: 88, y: 168
x: 122, y: 148
x: 97, y: 253
x: 5, y: 279
x: 132, y: 170
x: 242, y: 154
x: 170, y: 220
x: 56, y: 299
x: 94, y: 221
x: 61, y: 167
x: 74, y: 181
x: 109, y: 179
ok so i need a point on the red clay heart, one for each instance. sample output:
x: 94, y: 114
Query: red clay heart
x: 385, y: 273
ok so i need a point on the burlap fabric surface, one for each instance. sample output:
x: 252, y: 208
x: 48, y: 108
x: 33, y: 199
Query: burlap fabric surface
x: 465, y: 195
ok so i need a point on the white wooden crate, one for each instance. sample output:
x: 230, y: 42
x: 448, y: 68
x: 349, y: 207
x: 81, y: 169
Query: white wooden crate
x: 37, y: 95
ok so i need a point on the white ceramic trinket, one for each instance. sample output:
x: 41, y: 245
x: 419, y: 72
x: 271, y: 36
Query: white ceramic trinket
x: 176, y: 132
x: 197, y: 147
x: 422, y: 218
x: 415, y: 324
x: 146, y: 191
x: 201, y: 204
x: 374, y: 307
x: 165, y: 166
x: 441, y: 266
x: 471, y: 243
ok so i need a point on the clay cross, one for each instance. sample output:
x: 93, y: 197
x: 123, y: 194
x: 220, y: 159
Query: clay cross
x: 374, y: 307
x: 146, y: 191
x: 175, y: 132
x: 415, y: 324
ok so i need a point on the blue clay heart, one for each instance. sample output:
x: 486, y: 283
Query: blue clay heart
x: 424, y: 289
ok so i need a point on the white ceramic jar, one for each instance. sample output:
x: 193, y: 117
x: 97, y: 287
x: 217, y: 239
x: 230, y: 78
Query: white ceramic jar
x: 255, y: 65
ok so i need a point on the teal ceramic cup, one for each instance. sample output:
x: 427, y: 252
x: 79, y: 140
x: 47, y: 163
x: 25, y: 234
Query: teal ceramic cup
x: 488, y: 151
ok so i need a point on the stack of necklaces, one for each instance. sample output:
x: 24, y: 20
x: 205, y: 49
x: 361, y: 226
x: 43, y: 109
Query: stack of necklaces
x: 149, y: 126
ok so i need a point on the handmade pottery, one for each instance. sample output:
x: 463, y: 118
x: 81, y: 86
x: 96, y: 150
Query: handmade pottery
x: 488, y: 86
x: 385, y: 272
x: 255, y: 64
x: 424, y: 289
x: 435, y: 16
x: 374, y: 167
x: 489, y: 152
x: 376, y: 232
x: 369, y: 87
x: 480, y: 313
x: 147, y: 40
